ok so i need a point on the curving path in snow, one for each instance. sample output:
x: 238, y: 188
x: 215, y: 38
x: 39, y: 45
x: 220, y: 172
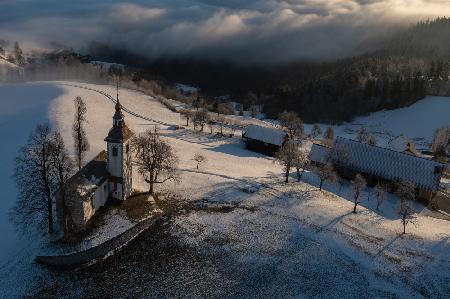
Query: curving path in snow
x: 268, y: 237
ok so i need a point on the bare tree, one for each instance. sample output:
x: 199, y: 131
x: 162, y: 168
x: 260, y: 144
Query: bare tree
x: 187, y: 115
x: 253, y: 111
x: 211, y: 124
x: 292, y: 124
x: 326, y: 173
x: 198, y: 103
x: 380, y: 194
x: 328, y: 136
x: 155, y: 159
x: 233, y: 127
x: 286, y: 157
x: 358, y: 184
x: 63, y: 167
x: 363, y: 135
x: 316, y: 131
x: 372, y: 140
x: 199, y: 159
x: 301, y: 161
x: 18, y: 55
x: 241, y: 111
x: 222, y: 121
x: 225, y: 108
x: 406, y: 192
x: 441, y: 143
x: 201, y: 118
x: 36, y: 180
x: 79, y: 134
x: 340, y: 155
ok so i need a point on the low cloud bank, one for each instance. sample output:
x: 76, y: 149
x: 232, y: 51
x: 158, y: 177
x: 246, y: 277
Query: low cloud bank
x: 255, y: 31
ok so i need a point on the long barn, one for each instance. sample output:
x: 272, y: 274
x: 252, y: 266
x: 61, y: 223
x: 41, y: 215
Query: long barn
x: 382, y: 163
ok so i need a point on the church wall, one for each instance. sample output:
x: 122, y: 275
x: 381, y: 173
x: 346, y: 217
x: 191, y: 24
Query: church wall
x: 127, y: 170
x: 115, y: 162
x: 100, y: 196
x: 115, y: 190
x: 81, y: 211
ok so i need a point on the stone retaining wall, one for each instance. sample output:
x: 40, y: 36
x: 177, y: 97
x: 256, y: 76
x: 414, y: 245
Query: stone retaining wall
x: 90, y: 255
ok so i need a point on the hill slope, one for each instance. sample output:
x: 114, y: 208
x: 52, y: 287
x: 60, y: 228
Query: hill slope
x: 249, y: 230
x: 417, y: 122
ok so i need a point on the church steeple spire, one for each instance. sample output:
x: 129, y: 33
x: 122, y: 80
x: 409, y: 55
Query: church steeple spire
x: 119, y: 133
x: 118, y: 119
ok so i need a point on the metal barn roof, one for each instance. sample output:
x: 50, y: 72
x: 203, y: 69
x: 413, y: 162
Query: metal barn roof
x: 385, y: 163
x: 319, y: 153
x: 264, y: 134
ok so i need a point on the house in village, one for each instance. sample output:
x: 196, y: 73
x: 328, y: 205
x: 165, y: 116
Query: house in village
x: 108, y: 177
x: 381, y: 164
x: 264, y: 140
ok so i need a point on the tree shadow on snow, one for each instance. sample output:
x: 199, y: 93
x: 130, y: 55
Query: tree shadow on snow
x: 237, y: 149
x: 388, y: 208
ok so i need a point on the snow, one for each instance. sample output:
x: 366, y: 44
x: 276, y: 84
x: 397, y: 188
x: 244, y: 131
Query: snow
x: 21, y: 107
x: 108, y: 65
x: 274, y: 227
x: 186, y: 88
x: 399, y: 144
x: 416, y: 122
x: 264, y: 134
x: 116, y: 222
x: 6, y: 63
x: 5, y: 67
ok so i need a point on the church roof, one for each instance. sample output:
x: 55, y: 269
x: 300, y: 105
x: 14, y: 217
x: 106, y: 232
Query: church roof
x: 119, y: 134
x: 93, y: 174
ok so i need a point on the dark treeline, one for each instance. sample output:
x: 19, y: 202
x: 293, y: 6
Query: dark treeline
x: 402, y: 71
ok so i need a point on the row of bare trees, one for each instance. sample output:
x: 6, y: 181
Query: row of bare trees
x: 291, y: 156
x: 201, y: 119
x: 42, y: 167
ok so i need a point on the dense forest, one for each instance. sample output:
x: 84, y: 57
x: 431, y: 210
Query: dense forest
x: 401, y: 71
x: 407, y: 66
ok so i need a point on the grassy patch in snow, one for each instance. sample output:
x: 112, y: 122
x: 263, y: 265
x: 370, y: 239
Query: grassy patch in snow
x: 138, y: 207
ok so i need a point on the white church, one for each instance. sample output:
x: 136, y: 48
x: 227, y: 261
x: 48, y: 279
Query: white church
x: 108, y: 177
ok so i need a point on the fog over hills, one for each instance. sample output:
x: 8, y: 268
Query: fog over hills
x: 255, y: 31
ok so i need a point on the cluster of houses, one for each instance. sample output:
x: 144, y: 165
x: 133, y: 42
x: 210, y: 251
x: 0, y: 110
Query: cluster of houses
x: 400, y: 165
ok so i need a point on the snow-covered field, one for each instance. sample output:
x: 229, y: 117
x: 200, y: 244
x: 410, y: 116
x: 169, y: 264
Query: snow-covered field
x: 417, y: 122
x: 293, y: 230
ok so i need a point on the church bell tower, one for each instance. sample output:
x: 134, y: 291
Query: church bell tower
x: 119, y: 161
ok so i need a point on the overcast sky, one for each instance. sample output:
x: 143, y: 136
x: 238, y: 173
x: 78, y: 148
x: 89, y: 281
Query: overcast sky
x: 241, y: 30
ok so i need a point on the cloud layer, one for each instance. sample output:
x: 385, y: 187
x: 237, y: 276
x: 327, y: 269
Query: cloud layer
x: 247, y: 31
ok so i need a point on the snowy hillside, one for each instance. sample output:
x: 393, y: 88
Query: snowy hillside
x: 417, y: 122
x: 5, y: 62
x: 268, y: 227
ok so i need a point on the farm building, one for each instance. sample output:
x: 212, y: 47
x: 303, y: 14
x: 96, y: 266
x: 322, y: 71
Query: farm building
x: 379, y: 163
x: 264, y: 140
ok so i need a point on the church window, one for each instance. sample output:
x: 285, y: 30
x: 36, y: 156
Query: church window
x: 114, y: 151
